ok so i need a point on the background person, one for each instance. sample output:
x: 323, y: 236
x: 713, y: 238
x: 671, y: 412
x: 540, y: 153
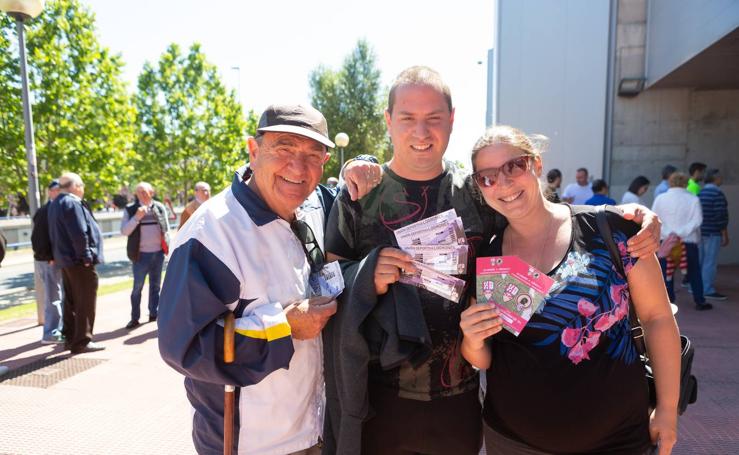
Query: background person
x: 3, y: 245
x: 554, y: 181
x: 78, y: 247
x: 714, y: 230
x: 145, y: 223
x: 202, y: 194
x: 681, y: 215
x: 600, y: 194
x: 580, y: 191
x: 696, y: 171
x: 332, y: 182
x: 541, y: 384
x: 50, y: 273
x: 637, y: 189
x: 664, y: 185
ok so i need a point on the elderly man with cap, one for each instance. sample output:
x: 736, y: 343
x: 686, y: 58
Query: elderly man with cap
x: 48, y: 270
x: 250, y: 251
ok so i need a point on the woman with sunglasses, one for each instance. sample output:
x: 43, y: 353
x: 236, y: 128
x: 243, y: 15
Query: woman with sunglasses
x: 571, y: 382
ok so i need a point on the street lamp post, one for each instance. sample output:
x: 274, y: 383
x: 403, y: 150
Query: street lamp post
x: 22, y: 10
x: 341, y: 140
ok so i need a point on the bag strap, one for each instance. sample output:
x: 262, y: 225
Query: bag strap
x: 604, y: 227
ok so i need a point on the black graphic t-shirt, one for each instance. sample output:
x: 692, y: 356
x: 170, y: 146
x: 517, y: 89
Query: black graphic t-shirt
x: 572, y: 381
x: 356, y: 227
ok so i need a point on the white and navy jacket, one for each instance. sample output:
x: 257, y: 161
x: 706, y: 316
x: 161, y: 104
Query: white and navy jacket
x: 235, y: 254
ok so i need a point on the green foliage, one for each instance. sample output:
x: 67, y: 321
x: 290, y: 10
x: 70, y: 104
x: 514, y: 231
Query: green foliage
x: 82, y: 113
x: 190, y: 127
x: 12, y: 153
x: 351, y: 100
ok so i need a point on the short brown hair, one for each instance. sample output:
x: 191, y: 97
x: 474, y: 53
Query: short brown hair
x: 419, y: 75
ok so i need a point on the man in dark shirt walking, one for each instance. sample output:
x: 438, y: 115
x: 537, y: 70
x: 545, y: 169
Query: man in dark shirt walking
x: 77, y: 247
x: 714, y: 230
x: 48, y: 270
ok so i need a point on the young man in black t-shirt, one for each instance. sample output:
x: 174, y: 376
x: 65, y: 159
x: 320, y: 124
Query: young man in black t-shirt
x: 431, y: 407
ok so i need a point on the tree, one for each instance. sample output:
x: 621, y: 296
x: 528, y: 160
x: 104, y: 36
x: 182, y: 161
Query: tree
x: 82, y: 113
x: 12, y: 154
x: 351, y: 100
x: 190, y: 127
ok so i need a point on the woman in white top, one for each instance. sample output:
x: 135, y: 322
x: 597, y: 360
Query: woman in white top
x: 638, y: 187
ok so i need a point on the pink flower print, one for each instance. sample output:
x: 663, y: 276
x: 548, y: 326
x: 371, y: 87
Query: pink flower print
x: 620, y: 294
x: 580, y: 351
x: 591, y: 341
x: 628, y: 264
x: 585, y: 307
x: 577, y: 354
x: 571, y: 336
x: 622, y: 310
x: 622, y: 249
x: 605, y: 322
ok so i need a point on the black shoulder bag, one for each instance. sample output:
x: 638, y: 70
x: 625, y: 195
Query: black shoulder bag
x: 688, y: 382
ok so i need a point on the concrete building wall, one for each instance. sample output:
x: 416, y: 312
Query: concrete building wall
x: 552, y: 60
x: 679, y: 30
x: 670, y: 126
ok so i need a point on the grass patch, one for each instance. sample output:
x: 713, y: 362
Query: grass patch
x: 115, y: 287
x: 27, y: 307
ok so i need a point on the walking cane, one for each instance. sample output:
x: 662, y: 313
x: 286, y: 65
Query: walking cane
x: 229, y: 325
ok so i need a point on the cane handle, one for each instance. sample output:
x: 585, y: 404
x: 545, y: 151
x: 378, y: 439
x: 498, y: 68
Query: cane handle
x: 229, y: 328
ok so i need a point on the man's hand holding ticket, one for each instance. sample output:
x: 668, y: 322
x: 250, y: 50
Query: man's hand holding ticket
x: 438, y: 247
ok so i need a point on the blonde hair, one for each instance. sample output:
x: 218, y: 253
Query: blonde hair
x: 532, y: 145
x: 678, y: 180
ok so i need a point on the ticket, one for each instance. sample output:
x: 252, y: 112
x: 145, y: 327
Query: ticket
x: 444, y: 228
x: 441, y: 284
x: 451, y: 259
x: 328, y: 281
x: 518, y: 289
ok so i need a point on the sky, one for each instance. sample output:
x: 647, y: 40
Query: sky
x: 276, y: 44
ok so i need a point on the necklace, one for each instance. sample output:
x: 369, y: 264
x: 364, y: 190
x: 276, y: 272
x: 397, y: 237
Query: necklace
x: 538, y: 263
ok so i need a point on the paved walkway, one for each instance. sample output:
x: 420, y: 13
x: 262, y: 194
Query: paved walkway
x: 124, y: 400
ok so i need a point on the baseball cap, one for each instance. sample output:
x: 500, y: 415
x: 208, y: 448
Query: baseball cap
x: 54, y: 184
x: 297, y: 119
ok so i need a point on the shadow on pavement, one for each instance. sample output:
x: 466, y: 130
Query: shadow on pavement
x: 21, y: 361
x: 22, y: 280
x: 138, y: 339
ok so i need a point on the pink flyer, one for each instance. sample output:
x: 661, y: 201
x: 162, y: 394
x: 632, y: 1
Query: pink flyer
x: 517, y: 289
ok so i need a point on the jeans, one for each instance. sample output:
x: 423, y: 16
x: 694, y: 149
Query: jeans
x: 710, y: 246
x: 694, y: 274
x: 148, y: 264
x: 51, y: 279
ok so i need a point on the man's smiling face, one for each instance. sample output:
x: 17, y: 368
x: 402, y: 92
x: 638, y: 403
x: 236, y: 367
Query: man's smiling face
x: 287, y: 168
x: 419, y: 126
